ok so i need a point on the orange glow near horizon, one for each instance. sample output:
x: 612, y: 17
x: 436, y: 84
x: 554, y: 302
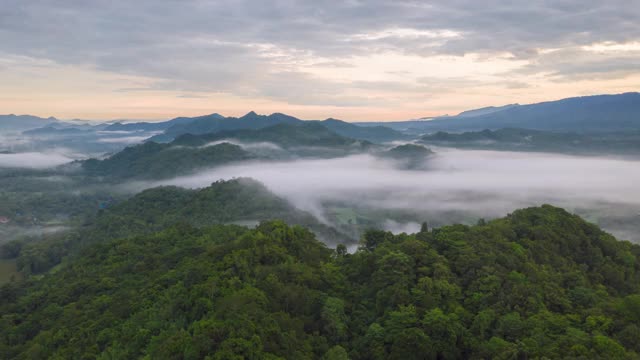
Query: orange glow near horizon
x: 383, y: 87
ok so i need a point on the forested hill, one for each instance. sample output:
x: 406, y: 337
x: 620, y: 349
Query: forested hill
x: 304, y: 134
x: 411, y: 156
x: 189, y: 152
x: 240, y: 201
x: 619, y: 143
x: 216, y: 123
x: 151, y: 160
x: 540, y: 283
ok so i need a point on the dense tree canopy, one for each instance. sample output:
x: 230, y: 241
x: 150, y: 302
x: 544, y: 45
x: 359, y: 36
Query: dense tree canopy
x: 154, y: 161
x: 242, y: 201
x: 539, y: 283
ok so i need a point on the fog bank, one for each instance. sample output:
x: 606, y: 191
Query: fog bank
x: 33, y: 160
x: 481, y: 183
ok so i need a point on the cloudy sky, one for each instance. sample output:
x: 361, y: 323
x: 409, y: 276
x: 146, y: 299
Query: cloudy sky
x: 350, y: 59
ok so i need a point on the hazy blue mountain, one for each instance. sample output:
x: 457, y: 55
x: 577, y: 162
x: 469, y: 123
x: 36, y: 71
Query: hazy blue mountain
x: 375, y: 134
x: 189, y: 152
x: 599, y: 113
x: 13, y: 122
x: 252, y: 121
x: 302, y: 134
x: 154, y: 161
x: 618, y: 143
x: 56, y: 131
x: 485, y: 111
x: 214, y: 123
x: 157, y: 126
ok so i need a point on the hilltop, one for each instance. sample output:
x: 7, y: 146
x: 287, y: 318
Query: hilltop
x: 539, y: 283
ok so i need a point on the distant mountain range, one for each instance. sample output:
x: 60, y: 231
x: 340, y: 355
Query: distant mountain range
x: 13, y: 122
x: 215, y: 123
x: 485, y: 111
x: 188, y: 152
x: 146, y: 126
x: 599, y: 113
x: 151, y: 160
x: 615, y: 143
x: 286, y: 135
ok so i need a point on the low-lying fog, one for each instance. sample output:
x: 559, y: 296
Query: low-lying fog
x: 484, y: 184
x: 71, y: 145
x: 35, y: 160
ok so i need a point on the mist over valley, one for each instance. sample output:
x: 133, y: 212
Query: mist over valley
x: 323, y: 180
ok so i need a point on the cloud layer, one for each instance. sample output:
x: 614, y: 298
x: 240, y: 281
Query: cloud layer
x: 33, y: 160
x: 320, y: 54
x: 478, y: 183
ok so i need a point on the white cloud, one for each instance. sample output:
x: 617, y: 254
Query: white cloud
x: 33, y: 160
x: 124, y: 140
x: 480, y: 183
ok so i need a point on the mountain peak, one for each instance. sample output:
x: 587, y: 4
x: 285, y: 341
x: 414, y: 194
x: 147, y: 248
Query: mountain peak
x: 216, y: 115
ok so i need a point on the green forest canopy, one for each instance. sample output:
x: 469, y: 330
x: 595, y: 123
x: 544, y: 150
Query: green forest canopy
x: 539, y: 283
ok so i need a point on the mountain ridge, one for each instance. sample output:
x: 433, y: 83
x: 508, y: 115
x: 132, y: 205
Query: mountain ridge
x: 594, y: 113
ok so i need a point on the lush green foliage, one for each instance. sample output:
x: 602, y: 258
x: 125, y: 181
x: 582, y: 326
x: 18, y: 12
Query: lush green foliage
x: 409, y: 150
x: 40, y: 201
x: 242, y: 201
x: 413, y: 156
x: 235, y: 201
x: 153, y: 161
x: 540, y: 283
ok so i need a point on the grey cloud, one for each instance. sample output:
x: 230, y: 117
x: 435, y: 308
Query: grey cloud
x: 236, y: 46
x: 318, y: 26
x: 509, y: 84
x: 192, y: 96
x: 576, y: 64
x: 301, y: 88
x: 124, y: 140
x: 443, y: 85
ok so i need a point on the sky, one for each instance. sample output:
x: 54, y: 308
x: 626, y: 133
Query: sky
x: 349, y: 59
